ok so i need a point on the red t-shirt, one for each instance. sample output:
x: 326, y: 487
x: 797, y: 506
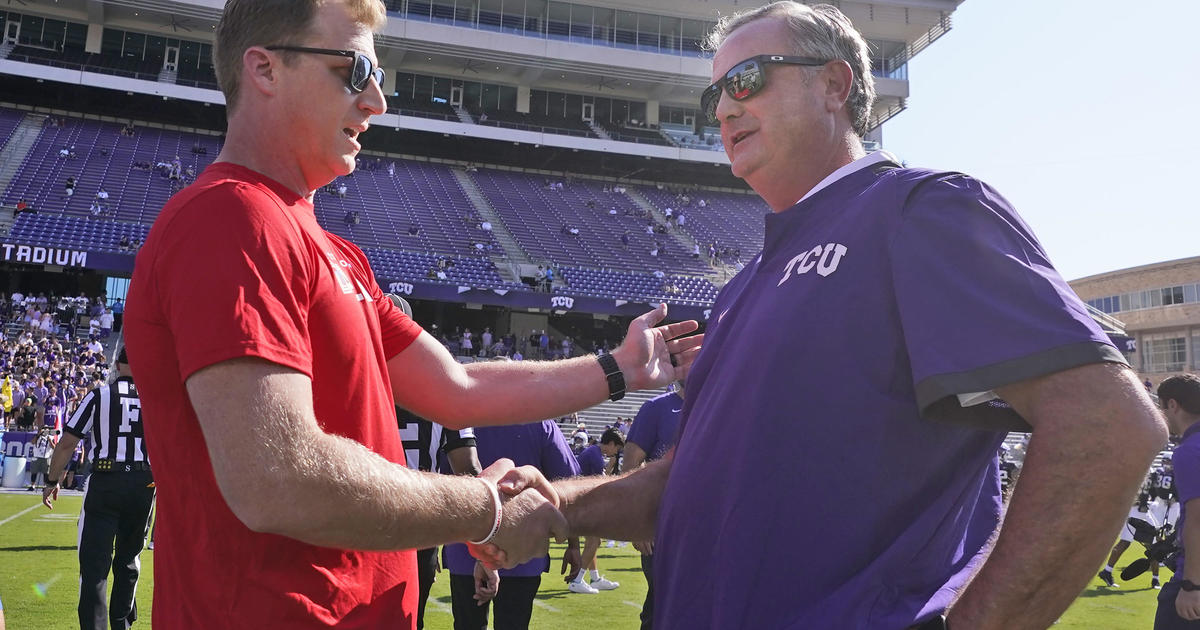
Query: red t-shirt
x: 237, y: 266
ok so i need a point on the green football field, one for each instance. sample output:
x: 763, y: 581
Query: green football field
x: 39, y: 583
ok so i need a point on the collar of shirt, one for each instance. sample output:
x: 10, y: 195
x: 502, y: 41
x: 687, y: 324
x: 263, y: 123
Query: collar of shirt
x: 863, y: 162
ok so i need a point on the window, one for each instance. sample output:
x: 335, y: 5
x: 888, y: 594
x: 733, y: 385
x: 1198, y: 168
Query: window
x: 1164, y: 353
x: 1196, y: 349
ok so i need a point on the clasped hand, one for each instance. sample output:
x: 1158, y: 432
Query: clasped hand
x: 530, y: 516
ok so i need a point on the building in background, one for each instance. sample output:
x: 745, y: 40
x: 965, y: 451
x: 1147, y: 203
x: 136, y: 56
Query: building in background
x: 1159, y: 305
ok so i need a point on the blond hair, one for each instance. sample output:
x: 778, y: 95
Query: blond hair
x: 246, y: 23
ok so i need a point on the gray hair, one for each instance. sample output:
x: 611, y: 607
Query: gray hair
x: 820, y: 31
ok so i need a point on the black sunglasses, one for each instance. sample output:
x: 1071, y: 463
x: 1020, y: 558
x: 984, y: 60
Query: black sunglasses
x: 361, y: 72
x: 745, y: 80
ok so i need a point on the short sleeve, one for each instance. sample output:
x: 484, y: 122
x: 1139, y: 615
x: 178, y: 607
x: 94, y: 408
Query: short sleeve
x: 398, y: 331
x: 80, y: 422
x: 235, y: 280
x: 979, y: 302
x: 644, y: 431
x: 1187, y: 472
x: 558, y: 462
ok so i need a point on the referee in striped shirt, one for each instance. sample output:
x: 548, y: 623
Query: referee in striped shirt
x: 117, y: 502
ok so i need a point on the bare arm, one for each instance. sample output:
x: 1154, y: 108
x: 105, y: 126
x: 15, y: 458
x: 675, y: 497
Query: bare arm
x: 280, y: 473
x: 465, y: 461
x: 632, y: 458
x: 1187, y: 603
x: 621, y: 508
x: 1095, y: 433
x: 58, y: 464
x: 430, y: 383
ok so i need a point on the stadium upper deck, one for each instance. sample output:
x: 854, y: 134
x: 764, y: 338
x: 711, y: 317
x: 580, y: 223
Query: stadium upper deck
x: 610, y: 76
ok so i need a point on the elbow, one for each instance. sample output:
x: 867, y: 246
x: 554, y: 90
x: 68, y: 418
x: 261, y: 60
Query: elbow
x: 262, y: 507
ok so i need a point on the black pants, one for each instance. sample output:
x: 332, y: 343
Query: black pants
x: 648, y: 605
x: 427, y: 566
x: 1166, y: 618
x: 116, y: 512
x: 513, y: 603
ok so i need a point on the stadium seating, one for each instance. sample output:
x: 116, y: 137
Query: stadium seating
x: 635, y: 135
x: 729, y: 219
x: 539, y: 217
x: 533, y: 122
x: 409, y: 214
x: 92, y: 62
x: 690, y: 290
x: 9, y: 120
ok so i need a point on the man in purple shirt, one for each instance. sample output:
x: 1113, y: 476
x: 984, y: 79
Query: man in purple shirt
x: 1179, y: 601
x: 591, y: 462
x: 541, y: 445
x: 652, y: 435
x: 896, y: 324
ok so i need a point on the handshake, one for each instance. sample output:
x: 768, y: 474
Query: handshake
x: 528, y: 518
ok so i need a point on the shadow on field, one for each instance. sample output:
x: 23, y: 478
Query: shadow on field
x: 40, y: 548
x: 1107, y: 592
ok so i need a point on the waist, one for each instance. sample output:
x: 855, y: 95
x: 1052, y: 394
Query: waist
x: 109, y: 465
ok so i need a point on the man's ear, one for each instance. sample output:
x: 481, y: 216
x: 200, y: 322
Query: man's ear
x: 258, y: 69
x: 837, y: 78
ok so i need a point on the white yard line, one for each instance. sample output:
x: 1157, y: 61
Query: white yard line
x: 440, y: 606
x: 634, y: 604
x: 22, y: 512
x: 541, y: 604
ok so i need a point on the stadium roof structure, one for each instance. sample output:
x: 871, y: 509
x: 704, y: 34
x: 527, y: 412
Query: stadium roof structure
x: 642, y: 55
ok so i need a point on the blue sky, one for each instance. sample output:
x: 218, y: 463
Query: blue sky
x: 1085, y: 114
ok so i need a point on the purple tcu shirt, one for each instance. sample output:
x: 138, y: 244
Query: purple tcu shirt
x: 821, y: 427
x: 591, y: 460
x: 657, y: 425
x: 538, y: 444
x: 1186, y: 462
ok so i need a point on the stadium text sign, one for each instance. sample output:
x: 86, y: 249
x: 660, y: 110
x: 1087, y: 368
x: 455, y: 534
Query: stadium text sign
x: 562, y: 301
x: 18, y: 443
x: 44, y: 255
x: 400, y: 287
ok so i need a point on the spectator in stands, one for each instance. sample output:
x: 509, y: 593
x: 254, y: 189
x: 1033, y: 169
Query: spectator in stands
x: 21, y: 206
x: 341, y: 190
x: 123, y: 244
x: 102, y: 195
x: 118, y: 311
x: 69, y: 186
x: 465, y: 342
x: 414, y: 229
x: 625, y: 240
x: 695, y: 248
x: 106, y: 324
x: 550, y: 277
x: 486, y: 226
x: 485, y: 341
x: 927, y: 398
x: 680, y: 219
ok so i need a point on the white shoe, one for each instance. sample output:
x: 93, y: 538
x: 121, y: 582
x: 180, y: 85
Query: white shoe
x: 611, y: 544
x: 604, y: 584
x: 580, y: 587
x: 150, y: 545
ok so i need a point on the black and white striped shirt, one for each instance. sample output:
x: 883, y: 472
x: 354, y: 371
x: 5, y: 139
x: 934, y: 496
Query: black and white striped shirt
x: 423, y: 440
x: 112, y: 414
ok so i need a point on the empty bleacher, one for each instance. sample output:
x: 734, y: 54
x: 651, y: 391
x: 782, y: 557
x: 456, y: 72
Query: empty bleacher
x: 728, y: 219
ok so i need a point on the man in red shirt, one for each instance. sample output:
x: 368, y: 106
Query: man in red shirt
x: 270, y: 362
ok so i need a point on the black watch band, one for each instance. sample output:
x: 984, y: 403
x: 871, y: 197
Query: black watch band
x: 1188, y: 585
x: 616, y: 379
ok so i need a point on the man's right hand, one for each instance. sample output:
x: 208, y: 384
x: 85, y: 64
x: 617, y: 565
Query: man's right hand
x: 530, y: 516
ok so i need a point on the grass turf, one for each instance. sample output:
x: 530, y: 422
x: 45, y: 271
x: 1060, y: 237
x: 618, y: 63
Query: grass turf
x: 39, y: 582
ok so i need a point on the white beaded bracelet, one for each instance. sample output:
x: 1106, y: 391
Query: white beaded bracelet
x: 499, y: 513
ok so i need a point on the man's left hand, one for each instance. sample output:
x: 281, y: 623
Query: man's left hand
x: 652, y: 356
x: 487, y: 584
x: 1187, y: 604
x: 49, y: 493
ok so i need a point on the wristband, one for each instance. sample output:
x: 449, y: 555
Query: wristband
x: 499, y: 513
x: 612, y: 372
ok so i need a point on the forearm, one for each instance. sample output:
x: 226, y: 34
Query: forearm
x: 59, y: 460
x: 497, y: 393
x: 363, y: 501
x: 1190, y: 536
x: 621, y: 508
x: 1076, y: 486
